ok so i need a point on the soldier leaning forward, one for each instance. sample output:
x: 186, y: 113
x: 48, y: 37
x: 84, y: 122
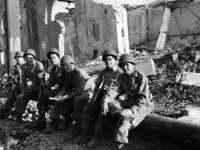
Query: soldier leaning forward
x: 30, y: 82
x: 72, y: 94
x: 131, y: 111
x: 15, y: 77
x: 55, y: 82
x: 104, y: 82
x: 52, y: 87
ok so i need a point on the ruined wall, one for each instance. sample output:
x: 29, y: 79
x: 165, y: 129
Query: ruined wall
x: 42, y: 11
x: 2, y: 35
x: 144, y: 25
x: 24, y: 25
x: 100, y: 27
x: 69, y: 32
x: 54, y: 31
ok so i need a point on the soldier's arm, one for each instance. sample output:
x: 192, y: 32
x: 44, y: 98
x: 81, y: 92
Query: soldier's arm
x: 40, y: 72
x: 98, y: 81
x: 50, y: 81
x: 78, y: 87
x: 143, y: 94
x: 65, y: 88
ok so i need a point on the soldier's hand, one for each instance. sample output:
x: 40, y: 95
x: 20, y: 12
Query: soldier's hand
x: 61, y: 98
x: 104, y: 108
x: 126, y: 112
x: 57, y: 98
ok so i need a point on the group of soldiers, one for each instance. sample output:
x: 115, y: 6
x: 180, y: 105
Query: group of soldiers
x: 120, y: 92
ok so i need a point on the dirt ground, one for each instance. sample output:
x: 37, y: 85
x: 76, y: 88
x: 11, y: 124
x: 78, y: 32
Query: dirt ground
x: 21, y: 138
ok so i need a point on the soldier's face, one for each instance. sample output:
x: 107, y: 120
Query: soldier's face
x: 19, y: 60
x: 54, y: 59
x: 109, y: 61
x: 29, y: 59
x: 128, y: 68
x: 68, y: 67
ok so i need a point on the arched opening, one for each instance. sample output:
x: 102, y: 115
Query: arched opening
x: 60, y: 21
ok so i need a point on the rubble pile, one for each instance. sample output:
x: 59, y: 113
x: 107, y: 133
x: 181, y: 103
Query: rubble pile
x: 170, y: 96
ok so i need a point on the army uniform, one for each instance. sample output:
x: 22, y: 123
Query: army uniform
x: 30, y: 85
x: 15, y: 77
x: 74, y: 87
x: 56, y: 78
x: 137, y: 101
x: 91, y: 112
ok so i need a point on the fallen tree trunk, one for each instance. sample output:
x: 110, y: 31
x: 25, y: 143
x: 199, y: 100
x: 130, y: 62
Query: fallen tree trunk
x: 171, y: 129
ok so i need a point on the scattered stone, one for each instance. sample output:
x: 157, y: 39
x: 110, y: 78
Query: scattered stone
x: 189, y: 78
x: 175, y: 59
x: 147, y: 66
x: 192, y: 112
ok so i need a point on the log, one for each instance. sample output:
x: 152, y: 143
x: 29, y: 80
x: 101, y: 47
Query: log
x: 172, y: 129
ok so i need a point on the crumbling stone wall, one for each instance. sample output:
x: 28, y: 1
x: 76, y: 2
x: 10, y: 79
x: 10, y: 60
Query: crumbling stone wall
x: 144, y: 25
x: 69, y: 32
x: 99, y: 27
x: 2, y: 35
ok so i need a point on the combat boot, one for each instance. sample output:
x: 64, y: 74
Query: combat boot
x: 75, y: 131
x: 96, y: 140
x: 2, y: 114
x: 84, y: 137
x: 67, y: 123
x: 53, y: 127
x: 40, y: 124
x: 119, y: 146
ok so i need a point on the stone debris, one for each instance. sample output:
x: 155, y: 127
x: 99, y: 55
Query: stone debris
x: 189, y: 78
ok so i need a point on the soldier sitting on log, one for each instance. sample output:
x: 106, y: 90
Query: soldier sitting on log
x: 51, y: 88
x: 15, y: 78
x: 131, y: 111
x: 104, y: 82
x: 30, y: 82
x: 72, y: 97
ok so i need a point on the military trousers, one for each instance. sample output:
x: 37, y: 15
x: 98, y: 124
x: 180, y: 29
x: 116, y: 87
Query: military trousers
x: 127, y: 122
x: 22, y: 100
x: 68, y: 106
x: 91, y: 113
x: 45, y: 101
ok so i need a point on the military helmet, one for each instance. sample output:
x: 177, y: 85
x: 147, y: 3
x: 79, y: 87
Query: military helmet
x: 19, y: 54
x: 67, y: 59
x: 53, y: 51
x: 30, y: 52
x: 109, y: 52
x: 126, y: 58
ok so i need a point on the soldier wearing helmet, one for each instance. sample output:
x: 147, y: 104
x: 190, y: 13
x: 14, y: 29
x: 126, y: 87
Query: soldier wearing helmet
x: 53, y: 86
x: 30, y: 82
x: 71, y: 95
x: 131, y: 111
x: 91, y: 112
x: 15, y: 76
